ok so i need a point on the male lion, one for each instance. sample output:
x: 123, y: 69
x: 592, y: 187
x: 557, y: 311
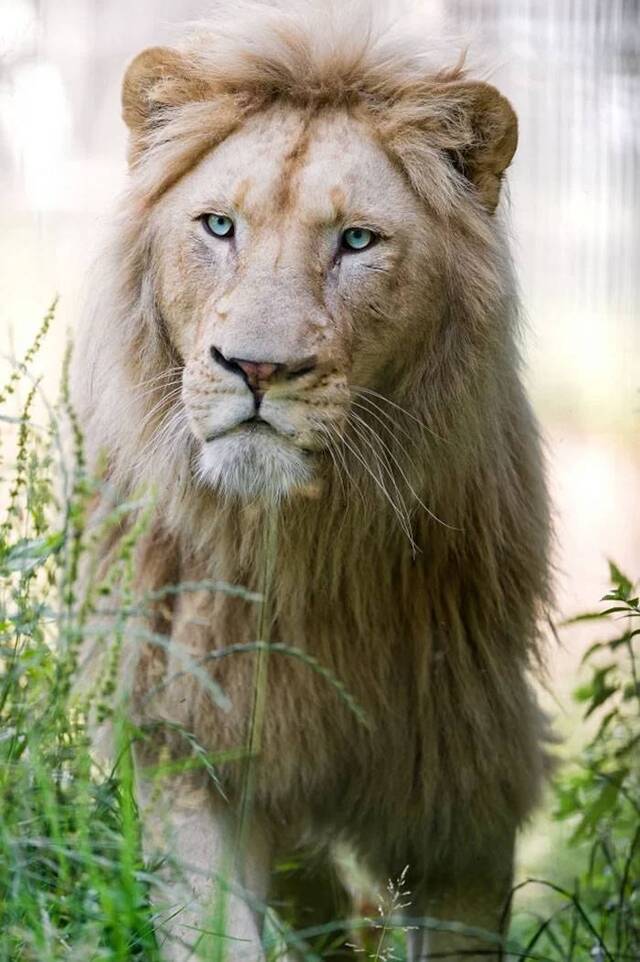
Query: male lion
x: 304, y: 337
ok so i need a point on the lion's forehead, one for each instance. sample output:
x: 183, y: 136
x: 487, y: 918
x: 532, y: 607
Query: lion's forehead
x: 286, y: 163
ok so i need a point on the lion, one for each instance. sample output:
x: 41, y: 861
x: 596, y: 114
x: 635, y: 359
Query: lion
x: 304, y: 336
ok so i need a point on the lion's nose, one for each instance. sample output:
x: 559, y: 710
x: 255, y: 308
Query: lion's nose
x: 258, y: 374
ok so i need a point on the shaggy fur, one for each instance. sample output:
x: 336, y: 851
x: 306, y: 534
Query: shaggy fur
x: 419, y: 585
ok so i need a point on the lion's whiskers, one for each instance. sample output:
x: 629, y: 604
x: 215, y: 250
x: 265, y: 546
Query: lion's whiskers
x: 386, y: 449
x: 410, y: 486
x: 386, y: 427
x: 371, y: 393
x: 170, y: 386
x: 166, y: 435
x: 338, y: 457
x: 379, y: 484
x: 399, y: 506
x: 170, y: 372
x: 167, y: 399
x: 332, y: 451
x: 361, y: 401
x: 379, y: 441
x: 167, y: 384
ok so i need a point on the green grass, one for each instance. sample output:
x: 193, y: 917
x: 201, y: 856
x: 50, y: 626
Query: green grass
x: 73, y: 884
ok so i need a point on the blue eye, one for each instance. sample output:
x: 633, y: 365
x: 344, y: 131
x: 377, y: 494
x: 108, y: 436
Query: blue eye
x: 358, y: 238
x: 218, y: 225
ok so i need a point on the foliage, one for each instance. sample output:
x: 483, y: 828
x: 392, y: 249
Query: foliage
x: 72, y: 884
x: 598, y: 797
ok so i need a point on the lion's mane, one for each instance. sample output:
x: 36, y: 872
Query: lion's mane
x: 454, y: 622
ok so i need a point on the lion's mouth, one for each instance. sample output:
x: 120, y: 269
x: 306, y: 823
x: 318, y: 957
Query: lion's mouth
x: 253, y: 425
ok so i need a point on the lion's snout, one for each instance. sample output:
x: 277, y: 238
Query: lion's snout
x: 260, y: 418
x: 260, y: 375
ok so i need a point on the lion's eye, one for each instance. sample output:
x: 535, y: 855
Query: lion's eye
x: 218, y: 225
x: 357, y: 238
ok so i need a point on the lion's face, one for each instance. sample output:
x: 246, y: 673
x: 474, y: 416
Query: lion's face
x: 295, y: 267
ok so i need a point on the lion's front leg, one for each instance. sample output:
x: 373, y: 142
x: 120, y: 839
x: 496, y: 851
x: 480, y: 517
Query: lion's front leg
x: 209, y: 898
x: 472, y: 893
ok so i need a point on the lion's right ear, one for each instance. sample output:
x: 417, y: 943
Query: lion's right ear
x: 156, y: 79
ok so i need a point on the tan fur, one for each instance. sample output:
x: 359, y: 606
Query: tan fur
x: 414, y: 566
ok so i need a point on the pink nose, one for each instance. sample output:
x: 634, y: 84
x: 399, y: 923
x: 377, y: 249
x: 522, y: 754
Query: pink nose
x: 257, y: 372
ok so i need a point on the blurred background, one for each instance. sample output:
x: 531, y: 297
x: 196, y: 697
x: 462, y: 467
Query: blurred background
x: 572, y: 71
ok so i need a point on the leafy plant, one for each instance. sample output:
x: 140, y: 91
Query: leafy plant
x: 72, y: 885
x: 598, y: 798
x: 602, y: 798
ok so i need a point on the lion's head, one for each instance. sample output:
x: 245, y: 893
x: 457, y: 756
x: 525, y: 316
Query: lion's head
x: 308, y: 247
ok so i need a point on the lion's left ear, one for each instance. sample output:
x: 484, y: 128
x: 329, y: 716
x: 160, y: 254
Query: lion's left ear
x: 157, y: 79
x: 478, y: 128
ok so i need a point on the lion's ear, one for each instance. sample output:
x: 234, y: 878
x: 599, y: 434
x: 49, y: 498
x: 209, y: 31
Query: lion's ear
x: 157, y: 78
x: 480, y: 133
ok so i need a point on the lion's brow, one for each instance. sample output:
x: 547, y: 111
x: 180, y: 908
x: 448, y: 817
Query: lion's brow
x: 291, y: 166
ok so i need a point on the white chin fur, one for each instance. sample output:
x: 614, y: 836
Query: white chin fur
x: 251, y: 465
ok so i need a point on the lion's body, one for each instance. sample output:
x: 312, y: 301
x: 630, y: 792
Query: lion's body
x: 418, y: 583
x: 426, y: 649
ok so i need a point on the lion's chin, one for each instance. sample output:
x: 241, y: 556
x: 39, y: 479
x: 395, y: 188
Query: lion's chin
x: 256, y: 464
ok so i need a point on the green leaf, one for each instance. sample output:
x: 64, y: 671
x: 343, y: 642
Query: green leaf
x: 616, y: 643
x: 597, y: 646
x: 630, y: 746
x: 598, y: 690
x: 600, y: 697
x: 632, y: 690
x: 587, y: 616
x: 28, y: 554
x: 620, y: 580
x: 603, y: 804
x: 568, y: 801
x: 604, y: 724
x: 583, y: 693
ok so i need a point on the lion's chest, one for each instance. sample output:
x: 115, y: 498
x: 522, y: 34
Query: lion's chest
x: 322, y: 709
